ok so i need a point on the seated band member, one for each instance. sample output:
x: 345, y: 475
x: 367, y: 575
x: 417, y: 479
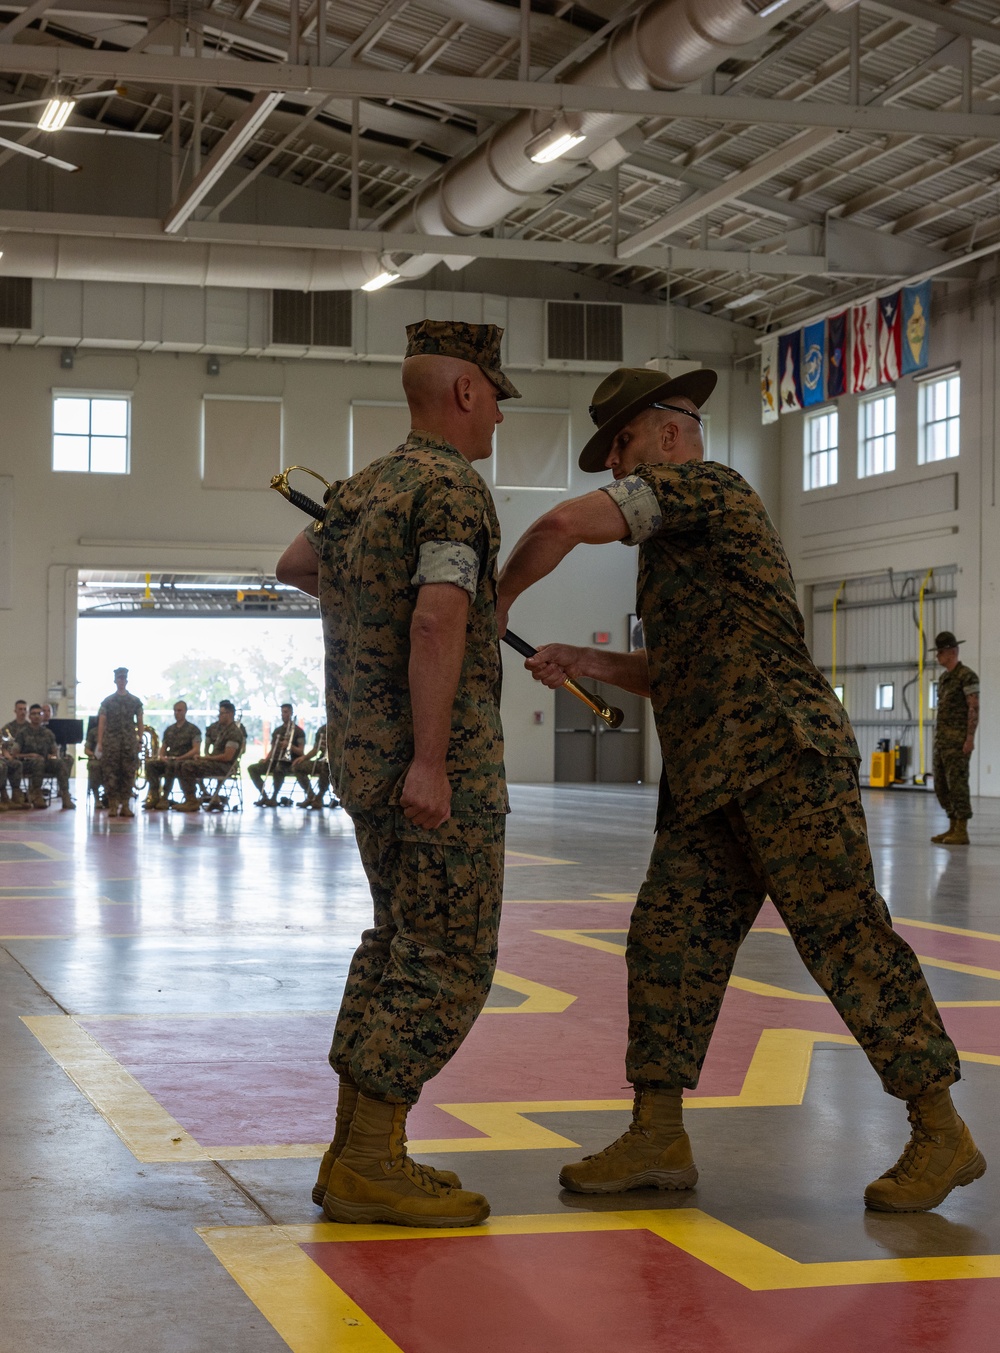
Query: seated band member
x: 95, y: 784
x: 314, y: 763
x: 66, y: 755
x: 288, y: 741
x: 181, y: 741
x: 224, y: 742
x: 13, y: 770
x: 37, y: 750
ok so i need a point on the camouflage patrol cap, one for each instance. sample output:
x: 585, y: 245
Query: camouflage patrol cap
x: 121, y: 671
x: 476, y: 343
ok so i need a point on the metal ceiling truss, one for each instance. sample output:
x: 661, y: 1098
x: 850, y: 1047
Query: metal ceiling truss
x: 887, y: 116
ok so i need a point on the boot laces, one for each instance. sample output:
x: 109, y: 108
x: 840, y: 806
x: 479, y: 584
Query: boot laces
x: 914, y: 1158
x: 634, y: 1130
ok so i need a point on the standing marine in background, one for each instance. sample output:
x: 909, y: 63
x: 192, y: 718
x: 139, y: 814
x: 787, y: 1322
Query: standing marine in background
x: 119, y: 732
x: 954, y: 739
x: 404, y: 565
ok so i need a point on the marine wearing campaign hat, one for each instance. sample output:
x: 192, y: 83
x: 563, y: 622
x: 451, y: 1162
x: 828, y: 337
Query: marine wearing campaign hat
x: 954, y: 738
x: 626, y: 393
x: 475, y: 343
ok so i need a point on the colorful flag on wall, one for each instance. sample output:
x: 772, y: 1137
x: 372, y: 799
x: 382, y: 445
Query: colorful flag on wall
x: 836, y: 355
x: 789, y: 371
x: 916, y: 327
x: 813, y: 363
x: 769, y: 381
x: 890, y: 336
x: 863, y: 372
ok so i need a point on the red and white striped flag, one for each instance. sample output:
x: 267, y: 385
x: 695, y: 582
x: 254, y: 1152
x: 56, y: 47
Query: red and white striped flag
x: 863, y: 368
x: 890, y: 338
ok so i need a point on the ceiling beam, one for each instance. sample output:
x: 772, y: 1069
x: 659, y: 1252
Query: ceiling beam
x: 230, y: 148
x: 665, y: 258
x: 360, y: 83
x: 22, y: 20
x: 693, y: 208
x: 938, y: 16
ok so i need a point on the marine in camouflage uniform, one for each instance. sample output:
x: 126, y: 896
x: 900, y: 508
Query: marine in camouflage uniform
x: 288, y: 742
x: 179, y: 739
x: 94, y: 781
x: 119, y: 731
x: 954, y: 738
x: 759, y: 794
x: 225, y: 741
x: 314, y: 763
x: 391, y: 535
x: 39, y: 755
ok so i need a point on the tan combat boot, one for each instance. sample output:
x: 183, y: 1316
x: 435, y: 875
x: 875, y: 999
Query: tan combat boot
x: 37, y: 799
x: 190, y: 804
x: 654, y: 1153
x: 939, y: 1156
x: 17, y: 799
x: 958, y: 836
x: 940, y: 838
x: 5, y: 803
x: 374, y: 1180
x: 347, y: 1102
x: 152, y: 804
x: 67, y: 802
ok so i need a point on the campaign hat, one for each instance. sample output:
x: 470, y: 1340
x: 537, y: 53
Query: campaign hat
x: 629, y: 390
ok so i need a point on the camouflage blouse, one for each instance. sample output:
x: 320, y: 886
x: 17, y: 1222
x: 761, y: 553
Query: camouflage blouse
x: 734, y: 690
x: 179, y: 738
x: 121, y: 710
x: 952, y: 703
x: 420, y: 515
x: 37, y: 741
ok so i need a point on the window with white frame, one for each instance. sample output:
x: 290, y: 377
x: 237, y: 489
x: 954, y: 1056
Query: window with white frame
x: 877, y: 434
x: 839, y: 693
x: 932, y: 692
x: 90, y: 433
x: 821, y: 449
x: 938, y: 423
x: 885, y: 695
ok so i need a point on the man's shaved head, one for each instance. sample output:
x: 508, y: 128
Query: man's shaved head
x: 452, y: 399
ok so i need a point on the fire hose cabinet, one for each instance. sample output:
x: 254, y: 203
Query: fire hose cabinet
x: 883, y: 771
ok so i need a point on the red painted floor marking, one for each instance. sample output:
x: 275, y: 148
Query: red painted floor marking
x: 630, y: 1290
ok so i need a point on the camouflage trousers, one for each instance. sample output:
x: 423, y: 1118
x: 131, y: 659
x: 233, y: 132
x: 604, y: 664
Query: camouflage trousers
x: 119, y: 763
x: 422, y: 973
x: 38, y: 768
x: 951, y: 778
x: 801, y: 838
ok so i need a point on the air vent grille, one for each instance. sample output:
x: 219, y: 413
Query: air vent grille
x: 312, y: 319
x: 15, y: 302
x: 582, y: 332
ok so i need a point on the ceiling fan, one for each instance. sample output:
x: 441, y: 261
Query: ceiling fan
x: 56, y: 113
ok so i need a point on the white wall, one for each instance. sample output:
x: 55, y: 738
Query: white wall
x: 825, y: 544
x: 161, y: 518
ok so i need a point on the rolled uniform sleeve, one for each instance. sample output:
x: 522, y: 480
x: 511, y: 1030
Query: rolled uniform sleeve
x: 447, y: 561
x: 638, y: 506
x: 663, y: 499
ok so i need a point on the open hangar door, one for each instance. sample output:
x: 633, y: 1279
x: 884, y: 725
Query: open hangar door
x: 873, y: 638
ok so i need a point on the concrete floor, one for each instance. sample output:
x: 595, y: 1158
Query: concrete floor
x: 167, y: 991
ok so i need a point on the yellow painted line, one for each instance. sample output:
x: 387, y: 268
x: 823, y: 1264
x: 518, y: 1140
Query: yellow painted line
x: 309, y: 1311
x: 515, y: 858
x: 313, y: 1315
x: 969, y: 969
x: 541, y: 999
x: 587, y: 938
x: 48, y: 852
x: 948, y: 929
x: 145, y: 1127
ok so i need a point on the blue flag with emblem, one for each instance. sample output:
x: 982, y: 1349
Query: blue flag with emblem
x: 813, y: 363
x: 916, y: 326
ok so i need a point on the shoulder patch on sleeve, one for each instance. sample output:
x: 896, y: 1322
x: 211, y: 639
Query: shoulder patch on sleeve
x: 638, y: 505
x: 446, y: 561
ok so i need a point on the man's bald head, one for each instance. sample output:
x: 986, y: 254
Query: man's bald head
x: 453, y: 399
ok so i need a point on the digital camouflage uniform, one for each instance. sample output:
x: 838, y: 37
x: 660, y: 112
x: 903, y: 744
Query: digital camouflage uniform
x: 40, y: 757
x: 951, y: 728
x: 177, y: 740
x: 119, y: 746
x: 759, y: 795
x: 318, y: 766
x: 211, y: 767
x: 423, y: 971
x: 280, y: 754
x: 94, y: 781
x: 11, y: 770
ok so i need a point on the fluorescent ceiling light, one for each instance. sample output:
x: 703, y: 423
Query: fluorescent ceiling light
x: 748, y: 299
x: 383, y: 280
x: 56, y: 114
x: 550, y: 149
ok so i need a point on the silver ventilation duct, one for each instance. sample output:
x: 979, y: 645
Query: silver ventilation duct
x: 668, y: 45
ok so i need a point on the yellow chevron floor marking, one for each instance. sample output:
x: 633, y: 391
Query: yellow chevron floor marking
x: 948, y: 929
x: 47, y: 853
x: 313, y: 1315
